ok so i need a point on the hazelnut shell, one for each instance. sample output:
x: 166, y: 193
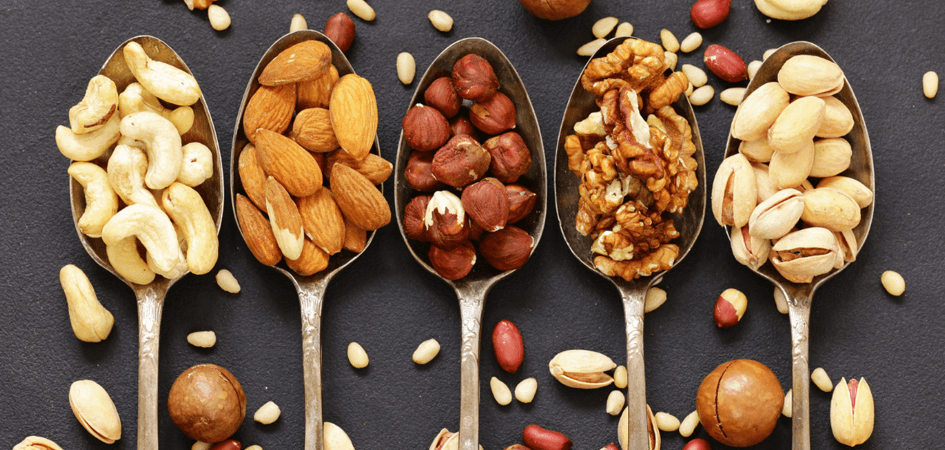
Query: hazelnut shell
x: 207, y: 403
x: 739, y: 402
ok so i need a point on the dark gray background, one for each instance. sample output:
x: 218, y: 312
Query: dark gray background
x: 389, y: 304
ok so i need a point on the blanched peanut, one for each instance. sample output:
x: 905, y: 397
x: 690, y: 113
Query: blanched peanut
x: 500, y: 391
x: 620, y: 374
x: 228, y: 282
x: 615, y: 402
x: 670, y: 43
x: 930, y: 84
x: 525, y: 391
x: 426, y: 351
x: 820, y: 378
x: 893, y: 282
x: 666, y: 422
x: 202, y: 339
x: 268, y: 413
x: 357, y: 356
x: 689, y: 424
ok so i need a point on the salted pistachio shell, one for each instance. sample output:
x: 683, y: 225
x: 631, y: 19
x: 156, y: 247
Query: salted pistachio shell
x: 582, y: 369
x: 796, y: 125
x: 838, y: 120
x: 763, y: 183
x: 848, y: 246
x: 776, y: 216
x: 757, y: 150
x: 335, y: 438
x: 831, y: 209
x: 734, y: 192
x: 810, y: 75
x: 801, y: 255
x: 858, y: 191
x: 758, y: 111
x: 623, y: 429
x: 95, y: 410
x: 749, y: 250
x: 831, y: 156
x: 851, y: 421
x: 36, y: 443
x: 448, y: 439
x: 790, y: 170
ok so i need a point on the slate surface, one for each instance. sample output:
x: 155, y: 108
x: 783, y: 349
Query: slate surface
x: 389, y: 304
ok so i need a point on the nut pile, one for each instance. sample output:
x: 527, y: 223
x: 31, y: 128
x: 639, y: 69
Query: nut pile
x: 764, y: 192
x: 448, y: 156
x: 286, y: 210
x: 140, y: 192
x: 632, y: 169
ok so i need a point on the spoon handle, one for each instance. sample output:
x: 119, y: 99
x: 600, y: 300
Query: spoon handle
x: 799, y: 311
x: 470, y: 311
x: 150, y: 305
x: 310, y: 302
x: 639, y: 435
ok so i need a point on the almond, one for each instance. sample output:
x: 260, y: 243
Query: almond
x: 316, y: 93
x: 322, y: 221
x: 270, y: 107
x: 307, y: 60
x: 359, y: 200
x: 312, y: 130
x: 252, y: 176
x: 289, y: 163
x: 353, y: 109
x: 285, y: 219
x: 373, y: 167
x: 355, y: 238
x: 311, y: 261
x: 257, y: 232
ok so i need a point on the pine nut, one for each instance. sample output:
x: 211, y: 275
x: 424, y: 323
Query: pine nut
x: 202, y: 339
x: 525, y: 391
x: 426, y: 351
x: 670, y: 43
x: 753, y: 68
x: 361, y: 9
x: 620, y: 377
x: 768, y: 53
x: 691, y: 42
x: 357, y: 356
x: 298, y: 23
x: 624, y: 29
x: 780, y: 301
x: 268, y: 413
x: 604, y: 26
x: 702, y: 95
x: 788, y: 409
x: 671, y: 59
x: 893, y: 282
x: 200, y: 446
x: 732, y: 96
x: 615, y: 402
x: 254, y: 447
x: 655, y: 297
x: 589, y: 48
x: 930, y: 84
x: 219, y: 18
x: 689, y: 424
x: 500, y: 391
x: 696, y: 76
x: 227, y: 281
x: 689, y: 90
x: 441, y: 20
x: 666, y: 422
x: 406, y: 68
x: 820, y: 378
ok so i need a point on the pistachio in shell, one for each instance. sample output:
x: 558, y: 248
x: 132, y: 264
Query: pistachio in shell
x: 94, y: 409
x: 582, y: 369
x: 207, y: 403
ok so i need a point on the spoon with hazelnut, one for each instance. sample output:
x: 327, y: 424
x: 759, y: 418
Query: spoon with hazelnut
x: 688, y: 223
x: 150, y: 296
x: 471, y: 277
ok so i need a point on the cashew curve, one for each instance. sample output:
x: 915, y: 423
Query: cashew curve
x: 163, y: 146
x: 101, y: 202
x: 135, y: 98
x: 126, y: 169
x: 188, y: 210
x: 165, y: 81
x: 197, y: 166
x: 98, y: 105
x: 88, y: 146
x: 91, y: 322
x: 154, y: 230
x: 126, y: 260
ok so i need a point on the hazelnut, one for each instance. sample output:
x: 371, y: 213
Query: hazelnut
x: 739, y: 402
x: 487, y: 204
x: 446, y: 221
x: 207, y: 403
x: 442, y: 95
x: 425, y: 128
x: 474, y: 78
x: 340, y: 29
x: 508, y: 248
x: 493, y: 116
x: 460, y: 162
x: 555, y: 9
x: 729, y: 308
x: 475, y: 231
x: 521, y: 202
x: 462, y: 125
x: 510, y: 156
x: 413, y: 218
x: 455, y: 263
x: 418, y: 173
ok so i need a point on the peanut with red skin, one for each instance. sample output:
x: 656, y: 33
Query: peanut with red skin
x: 538, y: 438
x: 698, y: 444
x: 709, y: 13
x: 229, y: 444
x: 508, y: 345
x: 725, y: 64
x: 340, y: 29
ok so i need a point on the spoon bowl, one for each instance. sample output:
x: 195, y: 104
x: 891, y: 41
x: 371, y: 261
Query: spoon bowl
x: 311, y: 289
x: 472, y: 288
x: 633, y: 293
x: 150, y: 297
x: 799, y: 295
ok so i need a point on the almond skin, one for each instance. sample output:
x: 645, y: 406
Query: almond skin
x: 257, y: 232
x: 355, y: 238
x: 285, y: 219
x: 270, y: 107
x: 508, y: 345
x: 311, y: 261
x: 373, y: 167
x: 359, y: 200
x: 289, y: 163
x: 322, y: 221
x: 252, y: 176
x: 316, y: 93
x: 307, y: 60
x: 353, y: 110
x: 312, y: 130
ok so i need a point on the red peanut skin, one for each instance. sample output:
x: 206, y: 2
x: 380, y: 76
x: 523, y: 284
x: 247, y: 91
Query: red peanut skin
x: 538, y: 438
x: 611, y: 446
x: 340, y: 29
x: 229, y: 444
x: 508, y: 346
x: 709, y: 13
x: 725, y: 64
x: 698, y: 444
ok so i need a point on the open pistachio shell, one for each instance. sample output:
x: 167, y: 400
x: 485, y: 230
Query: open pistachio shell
x: 776, y: 216
x: 94, y: 409
x: 805, y: 253
x: 445, y: 440
x: 749, y: 250
x: 623, y: 431
x: 582, y: 369
x: 851, y: 421
x: 734, y: 192
x: 36, y: 443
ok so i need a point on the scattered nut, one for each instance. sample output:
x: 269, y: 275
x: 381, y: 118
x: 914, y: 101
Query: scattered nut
x: 202, y: 339
x: 620, y: 377
x: 732, y: 96
x: 604, y: 26
x: 655, y: 297
x: 696, y: 76
x: 780, y: 301
x: 615, y: 402
x: 525, y: 390
x: 253, y: 447
x: 691, y: 42
x: 667, y: 422
x: 768, y: 53
x: 508, y: 345
x: 702, y: 95
x: 406, y: 67
x: 361, y: 9
x: 91, y: 322
x: 753, y: 68
x: 207, y: 403
x: 357, y: 356
x: 739, y: 402
x: 820, y: 378
x: 709, y: 13
x: 670, y: 43
x: 538, y: 438
x: 340, y: 28
x: 200, y: 446
x: 930, y: 84
x: 893, y: 282
x: 788, y: 409
x: 36, y: 443
x: 689, y: 424
x: 590, y: 48
x: 426, y: 351
x: 229, y: 444
x: 228, y: 282
x: 298, y: 23
x: 697, y: 444
x: 500, y: 391
x: 851, y: 412
x: 555, y: 9
x: 94, y: 409
x: 624, y: 29
x: 219, y: 18
x: 725, y: 63
x: 267, y: 413
x: 441, y: 20
x: 789, y: 9
x: 623, y: 429
x: 581, y: 369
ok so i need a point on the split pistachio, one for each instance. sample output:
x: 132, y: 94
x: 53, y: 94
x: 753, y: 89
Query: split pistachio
x: 801, y: 255
x: 749, y: 250
x: 831, y: 209
x: 94, y: 409
x: 36, y: 443
x: 446, y: 440
x: 776, y: 216
x: 623, y: 429
x: 848, y: 245
x: 851, y: 412
x: 582, y: 369
x: 797, y: 124
x: 734, y: 191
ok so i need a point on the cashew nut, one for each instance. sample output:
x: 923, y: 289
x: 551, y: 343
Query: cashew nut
x: 88, y: 146
x: 179, y: 269
x: 98, y: 105
x: 163, y: 146
x: 197, y: 165
x: 125, y: 140
x: 126, y: 260
x: 165, y: 81
x: 126, y: 169
x: 154, y: 230
x: 91, y: 322
x: 101, y: 202
x: 789, y: 9
x: 135, y: 98
x: 190, y: 213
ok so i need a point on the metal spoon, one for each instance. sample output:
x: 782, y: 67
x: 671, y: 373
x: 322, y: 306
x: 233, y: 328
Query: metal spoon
x: 311, y: 289
x: 472, y: 288
x: 633, y: 293
x: 151, y: 296
x: 799, y: 296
